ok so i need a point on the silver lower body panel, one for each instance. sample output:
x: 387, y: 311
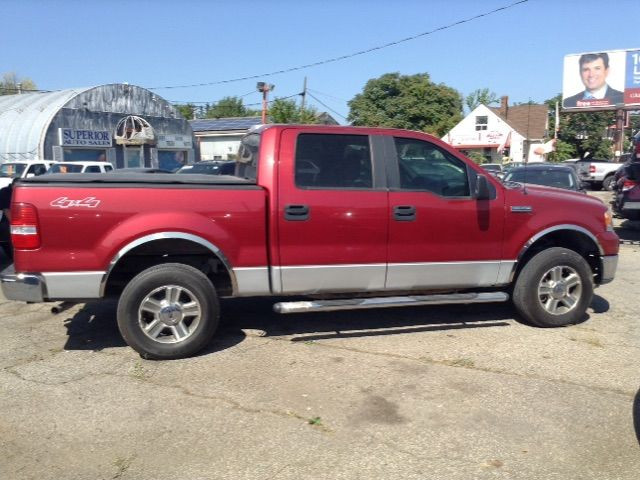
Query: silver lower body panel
x: 609, y: 267
x: 38, y: 287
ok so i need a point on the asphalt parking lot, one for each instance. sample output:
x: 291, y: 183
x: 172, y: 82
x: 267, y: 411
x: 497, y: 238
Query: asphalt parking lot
x: 449, y: 392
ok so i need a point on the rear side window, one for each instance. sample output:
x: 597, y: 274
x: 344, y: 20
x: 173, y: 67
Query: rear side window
x: 93, y: 169
x: 247, y: 157
x: 424, y: 166
x: 333, y: 161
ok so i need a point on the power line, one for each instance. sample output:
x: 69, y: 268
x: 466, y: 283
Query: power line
x: 215, y: 104
x: 329, y: 96
x: 344, y: 57
x: 326, y: 106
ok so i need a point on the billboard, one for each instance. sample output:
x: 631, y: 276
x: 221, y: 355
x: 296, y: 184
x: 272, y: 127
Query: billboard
x: 601, y: 80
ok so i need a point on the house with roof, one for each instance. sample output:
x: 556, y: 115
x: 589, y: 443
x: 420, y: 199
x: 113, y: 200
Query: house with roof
x: 126, y: 125
x: 505, y: 133
x: 219, y: 138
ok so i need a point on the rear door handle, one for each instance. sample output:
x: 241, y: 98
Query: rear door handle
x: 404, y: 213
x: 296, y: 213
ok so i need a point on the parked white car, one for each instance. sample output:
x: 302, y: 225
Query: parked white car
x: 81, y: 167
x: 22, y: 169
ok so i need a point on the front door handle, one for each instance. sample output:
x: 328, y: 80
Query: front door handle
x: 296, y: 213
x: 404, y: 213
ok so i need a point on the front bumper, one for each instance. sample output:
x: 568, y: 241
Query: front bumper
x: 22, y: 286
x: 609, y: 267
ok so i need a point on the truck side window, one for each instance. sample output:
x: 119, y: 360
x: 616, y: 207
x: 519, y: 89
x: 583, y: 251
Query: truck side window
x: 333, y: 161
x: 424, y: 166
x: 247, y: 157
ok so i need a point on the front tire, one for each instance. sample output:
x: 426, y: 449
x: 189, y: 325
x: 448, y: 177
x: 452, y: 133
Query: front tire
x: 168, y: 311
x: 554, y: 288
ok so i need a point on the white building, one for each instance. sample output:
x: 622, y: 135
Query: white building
x: 504, y: 132
x: 219, y: 138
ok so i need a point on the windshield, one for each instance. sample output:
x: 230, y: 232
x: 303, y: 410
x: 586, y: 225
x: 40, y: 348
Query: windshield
x: 65, y: 168
x: 560, y: 178
x: 12, y: 170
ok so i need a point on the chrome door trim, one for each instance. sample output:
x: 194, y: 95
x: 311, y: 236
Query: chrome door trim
x: 331, y: 278
x: 459, y: 274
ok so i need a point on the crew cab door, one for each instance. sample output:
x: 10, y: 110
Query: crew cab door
x: 332, y: 213
x: 439, y: 235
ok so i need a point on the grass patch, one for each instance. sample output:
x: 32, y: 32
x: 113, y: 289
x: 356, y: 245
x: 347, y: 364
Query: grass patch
x: 122, y: 465
x: 315, y: 421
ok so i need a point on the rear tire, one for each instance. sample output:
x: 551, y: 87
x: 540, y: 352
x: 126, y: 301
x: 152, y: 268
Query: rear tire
x: 608, y: 183
x: 554, y: 288
x: 168, y: 311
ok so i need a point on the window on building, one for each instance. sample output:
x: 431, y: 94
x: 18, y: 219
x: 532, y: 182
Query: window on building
x: 333, y: 161
x: 424, y: 166
x: 84, y: 154
x: 481, y: 122
x: 171, y: 159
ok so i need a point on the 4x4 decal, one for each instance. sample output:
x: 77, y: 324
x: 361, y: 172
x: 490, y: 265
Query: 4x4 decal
x: 64, y: 202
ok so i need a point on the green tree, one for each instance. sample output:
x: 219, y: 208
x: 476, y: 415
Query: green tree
x: 188, y: 111
x: 286, y: 111
x: 477, y: 157
x: 580, y: 133
x: 563, y: 151
x: 413, y: 102
x: 229, y: 107
x: 10, y: 83
x: 481, y: 96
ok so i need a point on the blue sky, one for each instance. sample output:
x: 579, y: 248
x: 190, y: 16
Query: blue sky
x: 516, y: 52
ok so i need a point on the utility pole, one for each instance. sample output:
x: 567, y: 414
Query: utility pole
x: 619, y: 135
x: 265, y: 88
x: 304, y: 94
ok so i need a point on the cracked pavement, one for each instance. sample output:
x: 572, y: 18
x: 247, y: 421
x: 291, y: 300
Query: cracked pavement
x: 447, y: 392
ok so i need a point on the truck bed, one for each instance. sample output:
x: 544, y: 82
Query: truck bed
x: 137, y: 178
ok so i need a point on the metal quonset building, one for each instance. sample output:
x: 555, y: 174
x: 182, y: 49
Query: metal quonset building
x: 126, y: 125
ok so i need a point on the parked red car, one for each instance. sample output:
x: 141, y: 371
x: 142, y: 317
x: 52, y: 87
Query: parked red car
x: 385, y: 217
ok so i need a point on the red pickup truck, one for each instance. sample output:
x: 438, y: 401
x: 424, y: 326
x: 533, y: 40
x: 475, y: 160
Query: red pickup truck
x: 345, y: 217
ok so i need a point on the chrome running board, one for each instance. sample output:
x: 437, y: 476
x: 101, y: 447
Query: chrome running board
x: 386, y: 302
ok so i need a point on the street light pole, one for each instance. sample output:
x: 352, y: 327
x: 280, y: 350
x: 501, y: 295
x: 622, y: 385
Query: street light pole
x: 265, y: 88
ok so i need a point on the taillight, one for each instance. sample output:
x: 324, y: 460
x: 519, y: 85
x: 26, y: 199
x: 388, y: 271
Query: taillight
x: 628, y: 184
x: 592, y: 169
x: 24, y: 226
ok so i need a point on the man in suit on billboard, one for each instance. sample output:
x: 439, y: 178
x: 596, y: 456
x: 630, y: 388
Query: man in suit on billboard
x: 594, y: 69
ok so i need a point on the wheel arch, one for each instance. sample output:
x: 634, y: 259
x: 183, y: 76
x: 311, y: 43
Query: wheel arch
x: 572, y: 237
x: 164, y: 247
